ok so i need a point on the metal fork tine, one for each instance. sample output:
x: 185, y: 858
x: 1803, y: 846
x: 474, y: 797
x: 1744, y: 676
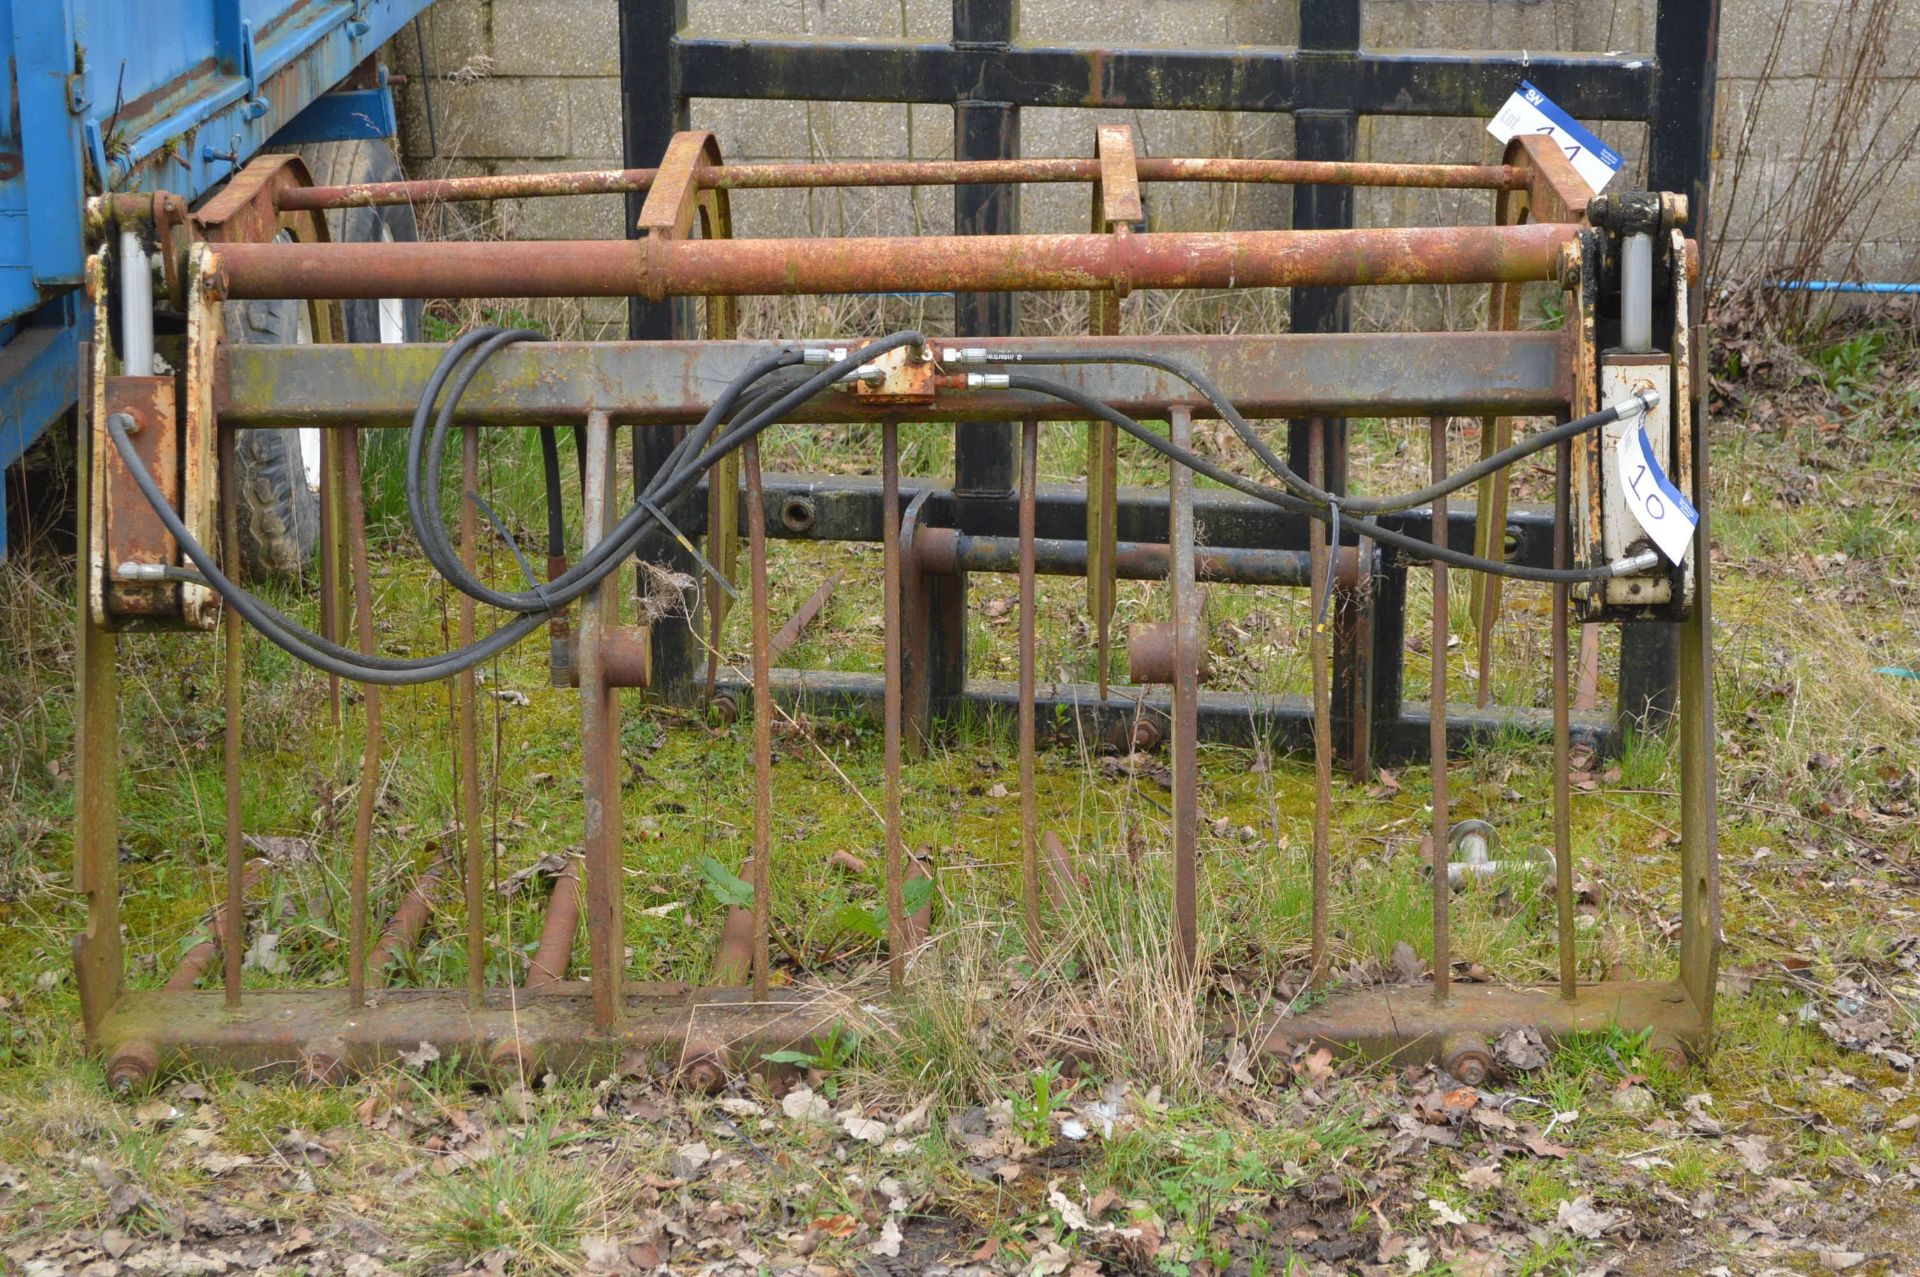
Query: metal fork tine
x: 1322, y: 710
x: 467, y: 742
x: 1562, y: 751
x: 762, y: 722
x: 1437, y: 709
x: 599, y: 746
x: 356, y: 513
x: 1029, y: 811
x: 233, y: 944
x: 1186, y: 698
x: 897, y: 938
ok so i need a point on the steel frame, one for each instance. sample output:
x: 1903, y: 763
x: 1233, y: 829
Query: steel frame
x: 929, y: 545
x: 987, y: 73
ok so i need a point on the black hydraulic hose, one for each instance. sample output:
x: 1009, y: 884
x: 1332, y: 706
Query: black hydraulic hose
x: 666, y: 484
x: 1303, y: 487
x: 288, y: 635
x: 331, y: 657
x: 1412, y: 546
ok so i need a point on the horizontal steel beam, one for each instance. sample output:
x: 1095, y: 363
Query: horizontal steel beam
x: 1225, y: 718
x: 286, y: 1030
x: 945, y: 552
x: 1370, y: 82
x: 847, y: 508
x: 1336, y: 374
x: 657, y: 268
x: 867, y: 173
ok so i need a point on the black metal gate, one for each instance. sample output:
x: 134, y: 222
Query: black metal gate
x: 1327, y: 83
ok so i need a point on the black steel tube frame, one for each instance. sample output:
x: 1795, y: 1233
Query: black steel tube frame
x: 1327, y: 83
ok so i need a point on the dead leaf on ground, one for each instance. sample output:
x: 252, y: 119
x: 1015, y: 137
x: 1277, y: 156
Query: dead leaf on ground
x: 1583, y: 1219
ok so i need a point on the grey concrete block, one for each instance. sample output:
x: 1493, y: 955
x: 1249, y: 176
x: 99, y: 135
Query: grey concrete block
x: 878, y: 19
x: 593, y: 117
x: 1816, y: 38
x: 456, y: 32
x: 1175, y: 22
x: 556, y: 37
x: 489, y: 118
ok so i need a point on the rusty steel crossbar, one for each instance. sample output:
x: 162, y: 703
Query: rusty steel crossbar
x: 843, y: 174
x: 933, y: 537
x: 661, y: 268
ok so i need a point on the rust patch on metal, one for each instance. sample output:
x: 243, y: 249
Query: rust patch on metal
x: 135, y: 535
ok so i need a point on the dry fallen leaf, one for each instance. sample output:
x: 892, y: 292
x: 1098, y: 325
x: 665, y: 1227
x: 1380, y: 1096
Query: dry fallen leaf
x: 1756, y: 1152
x: 864, y: 1129
x: 1482, y: 1179
x: 1583, y: 1219
x: 801, y: 1104
x: 687, y: 1160
x: 1520, y: 1050
x: 890, y: 1239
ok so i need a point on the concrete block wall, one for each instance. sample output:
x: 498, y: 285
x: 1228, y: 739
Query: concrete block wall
x: 534, y: 84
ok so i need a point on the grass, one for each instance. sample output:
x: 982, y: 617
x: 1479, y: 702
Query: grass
x: 524, y: 1198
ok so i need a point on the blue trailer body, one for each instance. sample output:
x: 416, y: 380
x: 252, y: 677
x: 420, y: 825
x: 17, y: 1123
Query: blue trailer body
x: 144, y: 95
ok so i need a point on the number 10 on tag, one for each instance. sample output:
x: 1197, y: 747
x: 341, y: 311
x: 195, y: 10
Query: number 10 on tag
x: 1661, y: 510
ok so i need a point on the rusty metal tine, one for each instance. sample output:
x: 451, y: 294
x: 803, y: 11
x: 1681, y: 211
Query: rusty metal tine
x: 1186, y: 698
x: 723, y: 551
x: 600, y: 745
x: 98, y: 955
x: 1437, y: 737
x: 1588, y: 694
x: 329, y: 561
x: 1116, y: 207
x: 557, y: 930
x: 402, y: 931
x: 762, y: 723
x: 892, y: 711
x: 1029, y: 812
x: 1562, y: 749
x: 1062, y: 880
x: 467, y: 742
x: 797, y: 623
x: 195, y: 961
x: 1322, y: 566
x: 233, y: 942
x: 733, y: 956
x: 1490, y: 525
x: 919, y: 923
x: 356, y: 517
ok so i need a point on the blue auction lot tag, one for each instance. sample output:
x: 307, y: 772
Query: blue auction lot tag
x: 1663, y: 513
x: 1531, y: 111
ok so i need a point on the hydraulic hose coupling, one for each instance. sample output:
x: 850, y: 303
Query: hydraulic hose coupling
x: 1633, y: 564
x: 1638, y: 404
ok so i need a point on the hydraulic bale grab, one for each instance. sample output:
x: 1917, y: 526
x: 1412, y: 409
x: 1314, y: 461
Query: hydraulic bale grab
x: 1615, y: 378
